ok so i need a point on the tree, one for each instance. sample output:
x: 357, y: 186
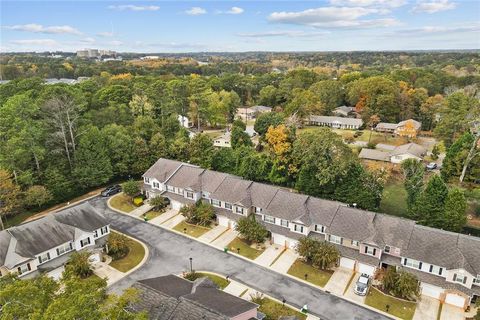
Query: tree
x: 37, y: 196
x: 430, y: 205
x: 118, y: 245
x: 266, y: 120
x: 408, y: 130
x: 456, y: 157
x: 330, y: 93
x: 201, y: 150
x: 268, y: 96
x: 9, y: 195
x: 389, y: 279
x: 407, y: 286
x: 158, y: 202
x: 131, y: 188
x: 140, y: 105
x: 435, y: 152
x: 413, y: 172
x: 254, y: 166
x: 78, y: 265
x: 119, y: 143
x: 326, y: 256
x: 251, y: 230
x: 199, y: 213
x: 304, y: 103
x: 454, y: 217
x: 224, y: 160
x: 239, y: 138
x: 92, y: 163
x: 307, y: 248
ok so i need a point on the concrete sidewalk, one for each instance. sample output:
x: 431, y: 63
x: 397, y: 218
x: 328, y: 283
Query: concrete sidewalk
x: 140, y: 211
x: 235, y: 288
x: 170, y: 213
x: 174, y: 221
x: 227, y: 237
x: 269, y: 255
x: 285, y: 261
x: 212, y: 234
x: 339, y: 281
x: 103, y: 270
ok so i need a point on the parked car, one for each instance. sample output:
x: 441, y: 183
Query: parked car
x: 361, y: 287
x: 110, y: 191
x: 431, y: 166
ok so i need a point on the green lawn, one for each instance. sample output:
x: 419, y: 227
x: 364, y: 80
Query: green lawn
x: 274, y: 310
x: 152, y: 214
x: 315, y: 276
x: 192, y: 230
x: 133, y: 258
x: 122, y: 202
x: 394, y: 199
x: 245, y: 249
x: 398, y: 308
x: 221, y: 282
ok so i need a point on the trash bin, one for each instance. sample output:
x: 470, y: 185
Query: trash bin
x: 145, y: 219
x: 225, y: 249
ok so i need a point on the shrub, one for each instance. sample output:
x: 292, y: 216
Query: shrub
x: 307, y: 248
x: 199, y: 213
x: 158, y: 202
x: 78, y: 265
x: 371, y: 145
x: 326, y: 256
x: 251, y: 230
x: 131, y: 188
x: 401, y: 284
x: 117, y: 245
x: 192, y: 276
x: 138, y: 201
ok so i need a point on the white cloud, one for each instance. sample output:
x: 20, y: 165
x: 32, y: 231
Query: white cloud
x: 285, y: 33
x: 36, y: 42
x: 333, y: 17
x: 235, y: 10
x: 433, y: 6
x: 132, y: 7
x: 432, y: 30
x: 369, y: 3
x: 105, y: 34
x: 115, y: 43
x: 38, y: 28
x: 195, y: 11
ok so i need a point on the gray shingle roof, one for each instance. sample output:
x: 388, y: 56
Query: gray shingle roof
x: 287, y: 205
x: 187, y: 177
x: 410, y: 148
x: 233, y: 190
x: 329, y: 119
x: 386, y: 125
x: 82, y: 216
x: 162, y: 169
x: 372, y: 154
x: 322, y: 211
x: 212, y: 179
x: 352, y: 224
x: 393, y: 231
x: 262, y: 194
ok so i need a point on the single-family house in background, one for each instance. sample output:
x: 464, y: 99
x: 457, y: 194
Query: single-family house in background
x: 223, y: 141
x: 171, y: 297
x: 343, y: 111
x: 397, y: 155
x: 252, y: 112
x: 335, y: 122
x: 44, y: 245
x: 447, y: 263
x: 407, y: 128
x: 185, y: 121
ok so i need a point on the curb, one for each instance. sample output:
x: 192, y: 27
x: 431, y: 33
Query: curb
x: 266, y: 267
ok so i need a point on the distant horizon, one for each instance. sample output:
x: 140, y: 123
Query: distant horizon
x: 240, y: 26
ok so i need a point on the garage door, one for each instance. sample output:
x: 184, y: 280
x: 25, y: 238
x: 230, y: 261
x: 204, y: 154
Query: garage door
x: 176, y: 205
x: 347, y: 263
x: 278, y: 239
x: 455, y: 299
x: 431, y: 291
x: 223, y: 221
x: 365, y: 268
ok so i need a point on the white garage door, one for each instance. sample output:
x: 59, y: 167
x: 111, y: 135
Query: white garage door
x: 431, y: 291
x: 365, y: 268
x: 455, y: 299
x: 278, y: 239
x: 347, y: 263
x: 176, y: 205
x: 223, y: 221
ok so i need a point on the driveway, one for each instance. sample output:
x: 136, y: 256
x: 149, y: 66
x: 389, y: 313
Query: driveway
x: 269, y: 255
x: 349, y: 294
x: 212, y: 234
x: 450, y: 312
x: 167, y: 215
x: 170, y: 253
x: 285, y: 261
x: 339, y: 281
x: 226, y: 237
x: 427, y: 308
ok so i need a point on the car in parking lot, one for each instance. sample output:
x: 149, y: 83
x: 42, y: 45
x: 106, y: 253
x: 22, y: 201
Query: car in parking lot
x: 110, y: 191
x: 362, y: 284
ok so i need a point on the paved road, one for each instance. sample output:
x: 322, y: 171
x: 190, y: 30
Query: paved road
x: 170, y: 252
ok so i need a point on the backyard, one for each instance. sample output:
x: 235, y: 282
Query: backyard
x: 135, y: 255
x: 394, y: 199
x: 399, y: 308
x: 245, y: 249
x: 314, y: 275
x: 191, y: 229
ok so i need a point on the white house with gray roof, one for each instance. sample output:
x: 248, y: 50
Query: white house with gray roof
x: 447, y: 264
x: 335, y: 122
x: 44, y: 245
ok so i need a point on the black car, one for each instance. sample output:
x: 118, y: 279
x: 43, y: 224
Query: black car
x: 110, y: 191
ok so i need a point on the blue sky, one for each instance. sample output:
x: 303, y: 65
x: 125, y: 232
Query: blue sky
x: 186, y: 26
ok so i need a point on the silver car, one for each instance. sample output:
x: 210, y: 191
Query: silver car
x: 361, y: 287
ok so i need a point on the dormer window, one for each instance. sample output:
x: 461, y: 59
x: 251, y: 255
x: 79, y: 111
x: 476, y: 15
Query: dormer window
x: 387, y: 249
x: 189, y: 195
x: 147, y: 180
x: 239, y: 210
x: 370, y: 251
x: 460, y: 278
x: 228, y: 205
x: 258, y: 210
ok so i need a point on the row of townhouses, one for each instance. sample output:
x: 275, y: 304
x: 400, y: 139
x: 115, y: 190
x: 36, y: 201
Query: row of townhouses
x: 446, y: 263
x: 44, y: 245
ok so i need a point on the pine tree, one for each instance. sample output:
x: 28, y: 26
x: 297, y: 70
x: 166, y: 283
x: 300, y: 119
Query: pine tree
x: 454, y: 216
x: 429, y: 207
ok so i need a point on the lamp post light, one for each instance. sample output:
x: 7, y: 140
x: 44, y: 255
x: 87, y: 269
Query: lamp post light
x: 184, y: 230
x: 191, y: 266
x: 238, y: 250
x: 306, y: 276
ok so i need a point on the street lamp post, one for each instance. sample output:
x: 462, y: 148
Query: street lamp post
x: 191, y: 267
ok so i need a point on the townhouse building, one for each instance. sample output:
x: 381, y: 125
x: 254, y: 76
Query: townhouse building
x: 44, y: 245
x: 446, y: 263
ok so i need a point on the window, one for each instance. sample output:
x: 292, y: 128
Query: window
x: 24, y: 268
x: 239, y: 210
x: 298, y: 228
x: 170, y: 188
x: 104, y: 230
x: 284, y: 223
x: 44, y: 257
x: 147, y: 180
x: 319, y: 228
x: 216, y: 203
x: 335, y: 239
x: 189, y: 195
x: 269, y: 219
x: 412, y: 263
x: 354, y: 243
x: 258, y: 210
x: 156, y: 185
x: 476, y: 280
x: 387, y: 249
x: 228, y: 205
x: 84, y: 242
x: 65, y: 248
x: 460, y: 278
x: 371, y: 251
x: 95, y: 234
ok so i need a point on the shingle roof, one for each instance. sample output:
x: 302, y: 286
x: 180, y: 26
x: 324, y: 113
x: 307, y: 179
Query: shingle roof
x: 212, y: 179
x: 187, y: 177
x: 372, y: 154
x: 410, y: 148
x: 287, y: 205
x: 352, y: 224
x: 322, y: 211
x: 82, y: 216
x: 233, y: 190
x: 262, y: 194
x: 329, y: 119
x: 170, y: 285
x: 393, y: 231
x: 386, y: 125
x: 416, y: 124
x: 162, y: 169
